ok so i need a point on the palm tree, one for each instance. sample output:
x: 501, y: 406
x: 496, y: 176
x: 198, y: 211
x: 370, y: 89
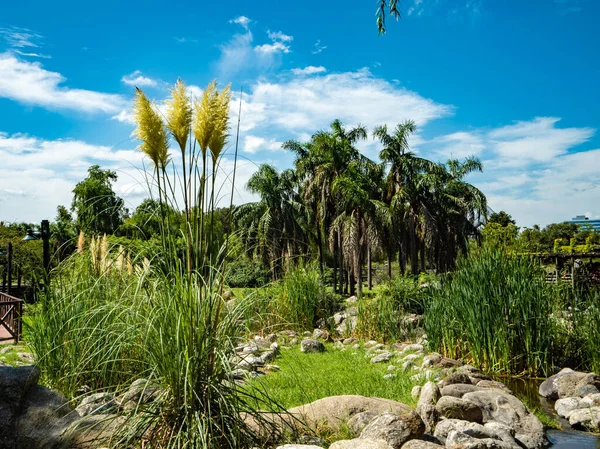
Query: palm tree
x: 273, y: 224
x: 403, y: 189
x: 318, y: 164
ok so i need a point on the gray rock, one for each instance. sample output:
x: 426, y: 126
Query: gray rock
x: 44, y: 417
x: 492, y: 430
x: 360, y: 443
x: 456, y: 408
x: 567, y: 385
x: 339, y: 317
x: 591, y: 400
x: 585, y: 418
x: 383, y: 357
x: 498, y: 406
x: 549, y: 388
x: 141, y: 391
x: 349, y: 341
x: 415, y: 392
x: 456, y: 378
x: 394, y: 429
x: 238, y: 374
x: 461, y: 440
x: 428, y: 397
x: 390, y: 376
x: 359, y: 421
x: 352, y: 300
x: 459, y: 390
x: 97, y: 404
x: 493, y: 384
x: 310, y: 345
x: 320, y: 334
x: 420, y: 444
x: 564, y: 407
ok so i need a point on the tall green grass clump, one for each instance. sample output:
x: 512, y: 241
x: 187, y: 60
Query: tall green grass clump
x: 162, y: 319
x: 385, y: 316
x: 495, y: 311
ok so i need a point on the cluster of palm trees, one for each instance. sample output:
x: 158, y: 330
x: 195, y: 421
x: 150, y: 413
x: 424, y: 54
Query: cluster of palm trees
x: 351, y: 210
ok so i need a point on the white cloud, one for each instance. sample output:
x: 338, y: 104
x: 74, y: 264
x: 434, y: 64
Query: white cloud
x: 275, y: 47
x: 310, y: 70
x: 32, y: 55
x: 279, y: 36
x: 242, y: 53
x: 535, y: 141
x: 17, y: 37
x: 29, y: 83
x: 252, y: 144
x: 307, y: 104
x: 241, y: 20
x: 459, y: 145
x: 319, y: 48
x: 137, y: 79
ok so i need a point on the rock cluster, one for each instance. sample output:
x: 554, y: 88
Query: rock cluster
x: 578, y: 397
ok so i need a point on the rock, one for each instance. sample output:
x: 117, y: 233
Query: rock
x: 459, y: 390
x: 360, y: 443
x: 456, y: 408
x: 456, y: 378
x: 408, y: 366
x: 349, y: 341
x: 309, y: 345
x: 415, y: 392
x: 16, y: 382
x: 141, y: 391
x: 564, y: 407
x: 499, y: 406
x: 493, y: 384
x: 428, y: 397
x: 549, y: 388
x: 567, y: 385
x: 383, y: 357
x: 412, y: 357
x: 461, y: 440
x: 415, y: 347
x: 585, y: 418
x: 307, y: 334
x: 97, y: 404
x: 352, y: 300
x: 339, y: 317
x: 299, y: 446
x: 320, y: 334
x: 449, y: 363
x: 492, y: 430
x: 93, y: 430
x: 293, y: 342
x: 390, y: 376
x: 420, y: 444
x: 359, y: 421
x: 590, y: 384
x: 394, y: 429
x: 268, y: 356
x: 238, y: 374
x: 335, y: 410
x: 250, y: 363
x: 591, y: 400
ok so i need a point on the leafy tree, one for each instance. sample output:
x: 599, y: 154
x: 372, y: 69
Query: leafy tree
x: 62, y: 232
x: 502, y: 218
x: 99, y: 210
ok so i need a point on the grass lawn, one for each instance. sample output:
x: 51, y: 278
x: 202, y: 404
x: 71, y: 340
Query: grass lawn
x: 305, y: 378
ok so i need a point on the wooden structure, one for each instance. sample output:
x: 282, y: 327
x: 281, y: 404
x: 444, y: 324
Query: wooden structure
x: 11, y: 311
x: 560, y: 258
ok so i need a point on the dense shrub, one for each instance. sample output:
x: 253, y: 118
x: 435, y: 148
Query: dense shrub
x: 245, y: 273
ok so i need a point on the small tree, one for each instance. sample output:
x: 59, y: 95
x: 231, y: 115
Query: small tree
x: 99, y: 210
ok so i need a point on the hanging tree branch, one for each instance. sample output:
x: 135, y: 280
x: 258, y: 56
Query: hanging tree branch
x: 386, y: 7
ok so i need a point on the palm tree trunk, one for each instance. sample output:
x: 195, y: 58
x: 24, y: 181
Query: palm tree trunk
x: 422, y: 256
x: 320, y: 245
x: 414, y: 253
x: 359, y: 261
x: 390, y: 255
x: 370, y: 269
x: 335, y: 269
x: 343, y: 284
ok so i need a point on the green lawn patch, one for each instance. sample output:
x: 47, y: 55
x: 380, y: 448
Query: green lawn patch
x: 305, y: 378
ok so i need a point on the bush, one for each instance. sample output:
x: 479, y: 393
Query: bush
x: 245, y: 273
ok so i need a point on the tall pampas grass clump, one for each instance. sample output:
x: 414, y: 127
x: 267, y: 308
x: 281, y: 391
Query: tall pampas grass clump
x: 112, y: 317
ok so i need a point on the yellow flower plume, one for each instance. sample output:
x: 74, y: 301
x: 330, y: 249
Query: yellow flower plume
x: 151, y: 130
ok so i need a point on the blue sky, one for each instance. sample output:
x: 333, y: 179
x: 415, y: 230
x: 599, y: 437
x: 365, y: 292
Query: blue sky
x: 514, y: 83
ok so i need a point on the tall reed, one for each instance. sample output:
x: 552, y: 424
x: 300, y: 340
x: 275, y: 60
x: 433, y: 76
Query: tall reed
x: 495, y: 311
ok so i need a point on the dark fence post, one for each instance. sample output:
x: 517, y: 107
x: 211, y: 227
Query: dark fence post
x: 10, y: 254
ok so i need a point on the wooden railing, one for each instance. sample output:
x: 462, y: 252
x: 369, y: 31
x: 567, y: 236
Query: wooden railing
x: 11, y: 311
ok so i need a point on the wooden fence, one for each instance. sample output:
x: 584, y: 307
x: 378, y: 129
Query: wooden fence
x: 11, y: 311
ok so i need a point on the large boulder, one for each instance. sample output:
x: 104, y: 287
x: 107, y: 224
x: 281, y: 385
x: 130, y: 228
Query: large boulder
x: 140, y: 392
x: 456, y: 378
x: 299, y: 446
x: 456, y: 408
x: 429, y: 395
x: 44, y: 416
x: 394, y: 429
x: 97, y: 404
x: 499, y: 406
x: 564, y: 407
x: 549, y: 387
x: 461, y: 440
x: 359, y: 421
x: 335, y: 410
x: 484, y: 433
